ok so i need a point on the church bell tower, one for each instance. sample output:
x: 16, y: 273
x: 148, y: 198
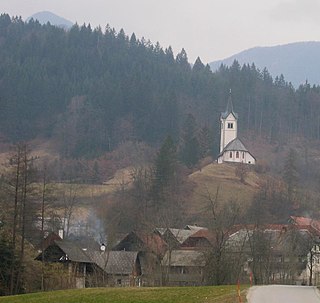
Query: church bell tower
x: 229, y: 125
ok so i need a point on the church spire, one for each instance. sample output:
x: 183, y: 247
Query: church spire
x: 229, y: 108
x: 229, y: 105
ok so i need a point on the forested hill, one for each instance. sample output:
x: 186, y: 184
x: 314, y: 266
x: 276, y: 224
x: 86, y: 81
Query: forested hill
x: 91, y: 89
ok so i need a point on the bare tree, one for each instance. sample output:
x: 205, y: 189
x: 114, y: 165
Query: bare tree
x: 69, y: 200
x: 20, y: 185
x: 220, y: 260
x: 241, y: 172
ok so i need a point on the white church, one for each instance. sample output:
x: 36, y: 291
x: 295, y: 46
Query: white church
x: 231, y: 148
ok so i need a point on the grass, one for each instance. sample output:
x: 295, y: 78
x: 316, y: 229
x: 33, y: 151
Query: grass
x: 221, y: 176
x: 207, y: 294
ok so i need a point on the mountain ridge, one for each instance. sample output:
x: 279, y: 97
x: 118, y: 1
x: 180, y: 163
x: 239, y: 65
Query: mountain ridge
x: 296, y: 61
x: 47, y: 16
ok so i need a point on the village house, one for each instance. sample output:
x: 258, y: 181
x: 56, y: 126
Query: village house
x: 151, y: 248
x: 183, y: 268
x: 175, y: 237
x: 271, y: 253
x: 276, y: 253
x: 75, y: 261
x: 87, y: 267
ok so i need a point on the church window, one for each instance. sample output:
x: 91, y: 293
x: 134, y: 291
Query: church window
x: 230, y: 125
x: 242, y: 155
x: 237, y: 154
x: 230, y: 154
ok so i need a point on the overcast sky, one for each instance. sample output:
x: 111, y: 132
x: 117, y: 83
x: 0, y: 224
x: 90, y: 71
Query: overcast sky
x: 211, y: 29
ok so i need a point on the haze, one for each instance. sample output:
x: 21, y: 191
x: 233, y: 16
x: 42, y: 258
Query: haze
x: 211, y: 29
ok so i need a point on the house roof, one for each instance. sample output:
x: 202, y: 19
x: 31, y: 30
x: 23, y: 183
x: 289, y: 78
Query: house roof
x: 142, y: 241
x: 73, y: 252
x: 115, y: 262
x: 112, y: 262
x: 152, y: 242
x: 201, y: 238
x: 49, y: 240
x: 181, y: 234
x: 194, y: 227
x: 309, y: 223
x: 184, y: 258
x: 279, y: 236
x: 84, y: 242
x: 161, y: 230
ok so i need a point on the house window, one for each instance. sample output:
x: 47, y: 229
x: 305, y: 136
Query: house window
x: 230, y: 125
x: 230, y: 154
x: 242, y: 155
x: 119, y: 281
x: 237, y: 154
x: 184, y: 270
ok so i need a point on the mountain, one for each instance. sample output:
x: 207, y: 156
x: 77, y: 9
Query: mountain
x: 53, y: 19
x: 297, y: 62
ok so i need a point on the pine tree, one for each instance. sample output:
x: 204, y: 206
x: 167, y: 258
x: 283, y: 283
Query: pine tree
x: 165, y: 164
x: 190, y: 152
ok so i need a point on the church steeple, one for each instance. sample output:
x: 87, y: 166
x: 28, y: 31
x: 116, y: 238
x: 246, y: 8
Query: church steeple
x: 230, y: 105
x: 229, y: 109
x: 229, y: 128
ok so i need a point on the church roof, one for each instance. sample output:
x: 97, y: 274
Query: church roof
x: 229, y: 109
x: 235, y: 145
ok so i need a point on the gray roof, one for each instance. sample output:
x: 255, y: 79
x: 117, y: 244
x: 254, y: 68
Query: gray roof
x: 161, y: 230
x: 181, y: 234
x: 115, y: 262
x: 73, y: 252
x: 229, y: 109
x: 184, y: 258
x: 194, y: 227
x: 235, y: 144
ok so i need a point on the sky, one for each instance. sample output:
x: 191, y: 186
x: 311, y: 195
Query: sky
x: 210, y: 29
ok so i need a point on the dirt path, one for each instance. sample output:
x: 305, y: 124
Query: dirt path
x: 283, y: 294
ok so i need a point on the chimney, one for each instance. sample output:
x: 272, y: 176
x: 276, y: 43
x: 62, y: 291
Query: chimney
x: 61, y: 233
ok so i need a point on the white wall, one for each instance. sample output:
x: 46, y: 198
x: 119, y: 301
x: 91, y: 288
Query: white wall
x: 231, y: 156
x: 228, y: 134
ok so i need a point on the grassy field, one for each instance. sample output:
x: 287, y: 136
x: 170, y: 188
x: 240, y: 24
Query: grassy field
x: 209, y: 294
x: 221, y: 176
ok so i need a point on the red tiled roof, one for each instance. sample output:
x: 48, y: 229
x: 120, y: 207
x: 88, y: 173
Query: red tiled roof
x: 197, y: 238
x: 301, y: 220
x: 153, y: 242
x: 307, y: 223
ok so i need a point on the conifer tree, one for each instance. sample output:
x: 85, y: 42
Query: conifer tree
x: 190, y: 152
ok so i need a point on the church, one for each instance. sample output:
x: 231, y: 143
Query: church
x: 231, y: 148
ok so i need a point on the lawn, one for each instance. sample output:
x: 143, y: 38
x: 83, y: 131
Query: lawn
x: 208, y: 294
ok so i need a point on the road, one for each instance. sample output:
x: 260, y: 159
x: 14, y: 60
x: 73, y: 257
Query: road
x: 283, y: 294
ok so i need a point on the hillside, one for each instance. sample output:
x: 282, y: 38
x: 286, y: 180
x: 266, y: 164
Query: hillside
x: 298, y: 62
x: 220, y: 179
x: 89, y: 91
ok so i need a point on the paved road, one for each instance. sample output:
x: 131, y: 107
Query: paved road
x: 283, y: 294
